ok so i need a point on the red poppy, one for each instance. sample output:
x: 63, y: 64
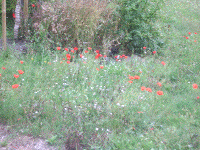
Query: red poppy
x: 195, y: 33
x: 151, y: 128
x: 58, y: 48
x: 140, y: 71
x: 100, y: 55
x: 20, y: 71
x: 101, y: 67
x: 97, y: 56
x: 75, y: 48
x: 89, y: 48
x: 61, y: 62
x: 197, y: 97
x: 160, y: 93
x: 67, y: 49
x: 154, y: 52
x: 86, y: 51
x: 149, y: 89
x: 139, y: 112
x: 187, y: 37
x: 72, y: 51
x: 130, y: 81
x: 16, y: 76
x: 63, y: 58
x: 0, y: 75
x: 68, y: 62
x: 117, y: 60
x: 126, y: 57
x: 97, y: 51
x: 15, y: 86
x: 13, y: 15
x: 120, y: 56
x: 159, y: 84
x: 68, y: 56
x: 195, y: 41
x: 84, y: 62
x: 21, y: 62
x: 143, y: 88
x: 189, y: 33
x: 136, y: 77
x: 123, y: 55
x: 3, y: 68
x: 116, y: 56
x: 33, y: 5
x: 81, y: 55
x: 104, y: 56
x: 97, y: 69
x: 131, y: 77
x: 144, y: 47
x: 163, y: 63
x: 195, y: 86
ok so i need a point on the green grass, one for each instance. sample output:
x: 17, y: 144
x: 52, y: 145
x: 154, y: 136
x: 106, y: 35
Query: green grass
x: 54, y: 100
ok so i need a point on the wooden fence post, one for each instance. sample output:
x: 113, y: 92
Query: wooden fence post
x: 4, y: 23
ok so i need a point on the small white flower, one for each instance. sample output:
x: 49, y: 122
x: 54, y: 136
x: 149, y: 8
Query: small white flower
x: 97, y: 129
x: 118, y: 104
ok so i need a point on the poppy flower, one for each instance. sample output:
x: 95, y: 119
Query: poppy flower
x: 16, y: 76
x: 81, y: 55
x: 197, y: 97
x: 3, y: 68
x: 58, y: 48
x: 163, y: 63
x: 136, y: 77
x: 72, y: 51
x: 68, y: 62
x: 75, y: 48
x: 144, y: 47
x: 68, y: 56
x: 67, y: 49
x: 195, y: 86
x: 0, y: 75
x: 97, y: 51
x: 160, y: 93
x: 21, y: 62
x: 101, y: 67
x: 126, y: 57
x: 120, y: 56
x: 131, y: 77
x: 89, y: 48
x: 139, y: 112
x: 86, y: 51
x: 20, y: 71
x: 15, y: 86
x: 84, y: 62
x: 130, y: 81
x: 151, y: 128
x: 187, y: 37
x: 195, y: 41
x: 195, y: 33
x: 189, y: 33
x: 97, y: 69
x: 117, y: 60
x: 149, y: 89
x: 154, y: 52
x: 63, y: 58
x: 116, y: 56
x: 61, y: 62
x: 159, y: 84
x: 140, y: 71
x: 33, y: 5
x: 143, y: 88
x: 13, y: 15
x: 97, y: 56
x: 123, y: 55
x: 100, y: 55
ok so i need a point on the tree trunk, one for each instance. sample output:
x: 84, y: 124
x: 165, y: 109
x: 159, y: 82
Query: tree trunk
x: 17, y: 19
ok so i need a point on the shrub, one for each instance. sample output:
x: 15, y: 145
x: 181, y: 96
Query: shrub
x: 136, y: 24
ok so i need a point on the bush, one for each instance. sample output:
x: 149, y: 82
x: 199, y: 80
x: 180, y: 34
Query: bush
x: 136, y: 24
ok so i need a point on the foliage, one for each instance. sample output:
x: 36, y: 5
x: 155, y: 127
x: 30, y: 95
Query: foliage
x: 136, y: 28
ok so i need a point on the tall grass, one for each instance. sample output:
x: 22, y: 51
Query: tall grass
x: 101, y: 108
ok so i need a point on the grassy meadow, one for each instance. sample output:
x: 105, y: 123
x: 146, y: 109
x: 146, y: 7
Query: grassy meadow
x: 124, y: 104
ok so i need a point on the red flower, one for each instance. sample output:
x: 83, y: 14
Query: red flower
x: 97, y: 69
x: 140, y: 71
x: 68, y: 56
x: 126, y: 57
x: 58, y: 48
x: 139, y: 112
x: 15, y: 86
x: 84, y: 62
x: 21, y: 62
x: 154, y: 52
x: 144, y: 47
x: 136, y: 77
x: 117, y: 60
x: 13, y: 15
x: 116, y: 56
x: 163, y: 63
x: 16, y: 76
x: 81, y: 55
x: 3, y: 68
x: 97, y: 51
x: 97, y: 56
x: 20, y: 71
x: 75, y: 48
x: 197, y: 97
x: 68, y: 62
x: 120, y: 56
x: 63, y: 58
x: 149, y: 89
x: 143, y: 88
x: 195, y: 41
x: 187, y: 37
x: 0, y: 75
x: 130, y: 81
x: 195, y: 33
x: 189, y: 33
x: 61, y: 62
x: 104, y: 56
x: 131, y: 77
x: 89, y: 48
x: 72, y: 51
x: 33, y: 5
x: 67, y: 49
x: 123, y: 55
x: 195, y: 86
x: 160, y: 93
x: 86, y: 51
x: 159, y: 84
x: 101, y: 67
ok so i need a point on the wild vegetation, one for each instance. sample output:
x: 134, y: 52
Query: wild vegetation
x: 86, y: 102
